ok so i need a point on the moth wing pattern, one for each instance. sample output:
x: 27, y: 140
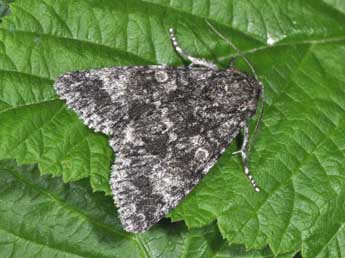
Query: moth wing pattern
x: 167, y: 127
x: 90, y: 95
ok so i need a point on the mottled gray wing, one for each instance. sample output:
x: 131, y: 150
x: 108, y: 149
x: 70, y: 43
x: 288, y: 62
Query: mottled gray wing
x: 97, y: 96
x: 168, y: 126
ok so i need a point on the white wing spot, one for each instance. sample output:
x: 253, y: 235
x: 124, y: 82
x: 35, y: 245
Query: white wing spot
x: 201, y: 154
x: 161, y: 76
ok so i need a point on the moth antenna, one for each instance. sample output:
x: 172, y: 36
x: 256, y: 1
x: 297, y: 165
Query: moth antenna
x: 194, y: 60
x: 262, y: 95
x: 261, y: 114
x: 244, y: 158
x: 229, y: 42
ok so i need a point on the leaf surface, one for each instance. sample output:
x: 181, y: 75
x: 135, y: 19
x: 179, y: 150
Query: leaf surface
x: 298, y: 50
x: 42, y: 217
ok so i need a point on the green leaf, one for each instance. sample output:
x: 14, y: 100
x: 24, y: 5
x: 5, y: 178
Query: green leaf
x: 36, y: 127
x: 42, y: 217
x: 339, y: 5
x: 298, y: 50
x: 5, y: 8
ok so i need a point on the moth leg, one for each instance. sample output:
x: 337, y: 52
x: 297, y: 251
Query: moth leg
x: 232, y: 62
x: 194, y: 60
x: 244, y: 157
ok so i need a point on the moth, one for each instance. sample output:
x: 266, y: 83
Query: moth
x: 166, y: 125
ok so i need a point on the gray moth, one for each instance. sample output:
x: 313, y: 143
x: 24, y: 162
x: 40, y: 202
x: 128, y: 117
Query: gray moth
x: 166, y: 125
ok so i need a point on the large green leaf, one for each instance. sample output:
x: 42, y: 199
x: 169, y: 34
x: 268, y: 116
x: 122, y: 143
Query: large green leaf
x: 42, y: 217
x: 298, y: 49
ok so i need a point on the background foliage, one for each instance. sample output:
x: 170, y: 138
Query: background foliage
x: 298, y: 50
